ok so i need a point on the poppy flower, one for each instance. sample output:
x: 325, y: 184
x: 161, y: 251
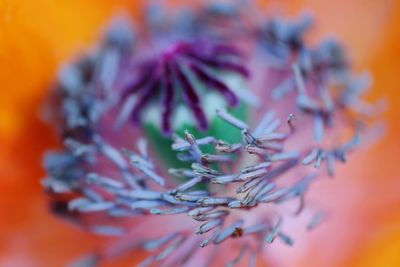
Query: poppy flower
x: 221, y: 181
x: 84, y: 144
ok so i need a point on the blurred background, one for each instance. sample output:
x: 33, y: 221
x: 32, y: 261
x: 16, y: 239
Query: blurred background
x: 37, y: 36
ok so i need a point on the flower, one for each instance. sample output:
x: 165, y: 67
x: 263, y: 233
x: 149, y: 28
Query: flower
x: 238, y: 190
x: 347, y: 210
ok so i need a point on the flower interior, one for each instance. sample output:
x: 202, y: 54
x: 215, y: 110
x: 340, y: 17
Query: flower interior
x: 200, y: 131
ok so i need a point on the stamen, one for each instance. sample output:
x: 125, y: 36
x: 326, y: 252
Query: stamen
x: 274, y: 231
x: 231, y: 119
x: 106, y: 230
x: 225, y: 234
x: 208, y: 226
x: 316, y: 220
x: 214, y: 201
x: 263, y: 124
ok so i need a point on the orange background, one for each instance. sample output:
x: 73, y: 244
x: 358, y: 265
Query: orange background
x: 36, y: 36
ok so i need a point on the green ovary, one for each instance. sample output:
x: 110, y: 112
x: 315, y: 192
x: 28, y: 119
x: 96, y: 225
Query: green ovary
x: 218, y: 129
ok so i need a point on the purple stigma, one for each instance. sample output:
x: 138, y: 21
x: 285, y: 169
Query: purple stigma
x: 164, y: 75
